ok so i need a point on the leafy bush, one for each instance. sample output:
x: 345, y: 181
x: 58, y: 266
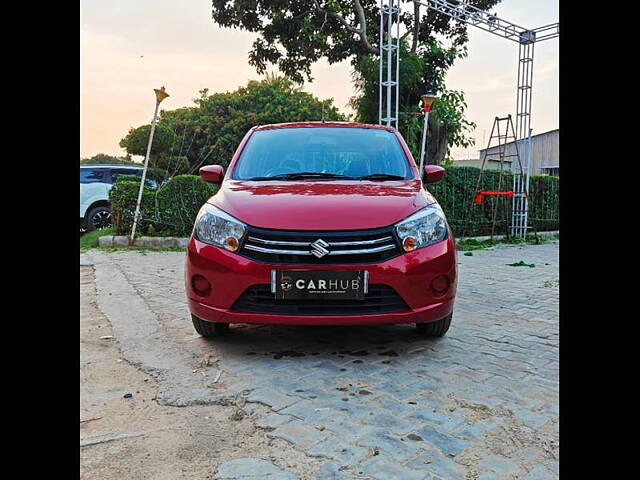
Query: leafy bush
x: 456, y: 193
x: 123, y: 197
x: 168, y: 211
x: 160, y: 175
x: 179, y: 201
x: 544, y: 202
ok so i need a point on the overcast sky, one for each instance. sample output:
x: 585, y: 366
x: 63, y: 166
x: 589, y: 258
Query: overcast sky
x: 130, y: 47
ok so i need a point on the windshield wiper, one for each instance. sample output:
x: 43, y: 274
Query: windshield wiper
x: 381, y: 176
x: 299, y: 175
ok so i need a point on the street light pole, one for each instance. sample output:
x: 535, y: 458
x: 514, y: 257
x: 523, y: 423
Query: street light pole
x: 427, y: 101
x: 160, y: 95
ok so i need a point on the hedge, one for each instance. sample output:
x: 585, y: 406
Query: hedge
x: 123, y: 197
x: 157, y: 174
x: 172, y: 209
x: 544, y: 202
x: 456, y: 193
x: 179, y: 200
x: 169, y: 211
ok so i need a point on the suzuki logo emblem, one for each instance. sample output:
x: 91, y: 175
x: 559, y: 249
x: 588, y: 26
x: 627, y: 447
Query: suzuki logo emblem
x: 318, y: 248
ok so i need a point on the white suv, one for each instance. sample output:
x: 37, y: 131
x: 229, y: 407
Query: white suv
x: 95, y: 183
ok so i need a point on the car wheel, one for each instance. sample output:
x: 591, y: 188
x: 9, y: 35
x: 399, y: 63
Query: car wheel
x: 98, y: 217
x: 209, y: 329
x: 434, y: 329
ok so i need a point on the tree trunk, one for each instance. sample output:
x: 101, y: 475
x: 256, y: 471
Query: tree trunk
x: 438, y: 137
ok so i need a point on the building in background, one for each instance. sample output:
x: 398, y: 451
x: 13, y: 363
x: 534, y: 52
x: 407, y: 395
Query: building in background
x: 545, y: 148
x: 492, y: 164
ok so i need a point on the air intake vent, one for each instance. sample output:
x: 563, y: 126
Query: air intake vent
x: 380, y: 299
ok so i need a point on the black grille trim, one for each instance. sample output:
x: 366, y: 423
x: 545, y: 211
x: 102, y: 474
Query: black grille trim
x: 345, y: 247
x: 380, y: 299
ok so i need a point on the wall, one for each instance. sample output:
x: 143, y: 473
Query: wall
x: 545, y: 152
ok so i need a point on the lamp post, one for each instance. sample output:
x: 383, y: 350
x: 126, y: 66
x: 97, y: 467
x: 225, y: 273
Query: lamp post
x: 160, y: 95
x: 427, y: 101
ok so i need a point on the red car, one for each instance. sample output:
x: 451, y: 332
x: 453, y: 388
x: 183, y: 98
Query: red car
x: 321, y: 224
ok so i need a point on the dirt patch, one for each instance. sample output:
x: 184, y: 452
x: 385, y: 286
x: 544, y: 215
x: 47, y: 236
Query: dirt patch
x: 476, y: 411
x: 508, y: 440
x: 132, y: 436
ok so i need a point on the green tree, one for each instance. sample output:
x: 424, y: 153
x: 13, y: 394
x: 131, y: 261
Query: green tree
x: 447, y: 124
x: 103, y: 158
x: 293, y: 35
x: 173, y: 164
x: 137, y: 139
x: 209, y: 132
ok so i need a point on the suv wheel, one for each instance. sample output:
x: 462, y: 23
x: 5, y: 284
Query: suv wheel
x: 434, y: 329
x: 209, y: 329
x: 98, y: 217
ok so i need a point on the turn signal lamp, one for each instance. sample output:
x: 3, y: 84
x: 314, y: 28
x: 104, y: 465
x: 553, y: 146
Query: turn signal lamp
x: 409, y: 244
x: 231, y: 244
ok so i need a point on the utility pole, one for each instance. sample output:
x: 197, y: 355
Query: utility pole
x: 160, y: 95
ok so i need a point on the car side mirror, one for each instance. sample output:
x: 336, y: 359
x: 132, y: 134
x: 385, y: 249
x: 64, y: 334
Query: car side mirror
x: 433, y: 173
x: 212, y: 173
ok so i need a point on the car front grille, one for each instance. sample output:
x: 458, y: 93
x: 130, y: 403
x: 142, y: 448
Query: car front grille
x: 320, y: 247
x: 379, y: 299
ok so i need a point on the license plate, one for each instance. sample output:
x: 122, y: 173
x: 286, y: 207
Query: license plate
x: 319, y: 284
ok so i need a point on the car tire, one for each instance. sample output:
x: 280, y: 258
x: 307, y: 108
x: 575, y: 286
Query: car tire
x: 434, y: 329
x: 98, y: 217
x: 209, y: 329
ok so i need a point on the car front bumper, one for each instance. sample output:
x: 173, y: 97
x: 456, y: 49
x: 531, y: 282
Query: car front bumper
x: 409, y: 274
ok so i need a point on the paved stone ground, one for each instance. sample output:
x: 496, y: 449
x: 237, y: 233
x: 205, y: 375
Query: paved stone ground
x: 373, y: 402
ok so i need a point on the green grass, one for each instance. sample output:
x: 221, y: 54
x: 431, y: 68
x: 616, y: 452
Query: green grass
x: 237, y: 415
x: 540, y: 239
x: 469, y: 244
x: 90, y: 240
x: 473, y: 244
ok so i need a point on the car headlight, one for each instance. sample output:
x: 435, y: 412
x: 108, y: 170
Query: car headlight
x: 215, y: 227
x: 423, y: 228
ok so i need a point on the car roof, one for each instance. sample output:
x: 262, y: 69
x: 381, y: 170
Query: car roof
x: 109, y: 165
x: 323, y: 124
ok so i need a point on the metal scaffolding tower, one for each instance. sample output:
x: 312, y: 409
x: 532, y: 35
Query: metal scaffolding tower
x: 389, y: 15
x: 520, y: 202
x: 526, y: 38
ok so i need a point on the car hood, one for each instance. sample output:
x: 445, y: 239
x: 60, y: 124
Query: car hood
x: 321, y: 205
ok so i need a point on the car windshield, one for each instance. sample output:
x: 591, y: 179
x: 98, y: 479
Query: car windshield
x: 327, y: 153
